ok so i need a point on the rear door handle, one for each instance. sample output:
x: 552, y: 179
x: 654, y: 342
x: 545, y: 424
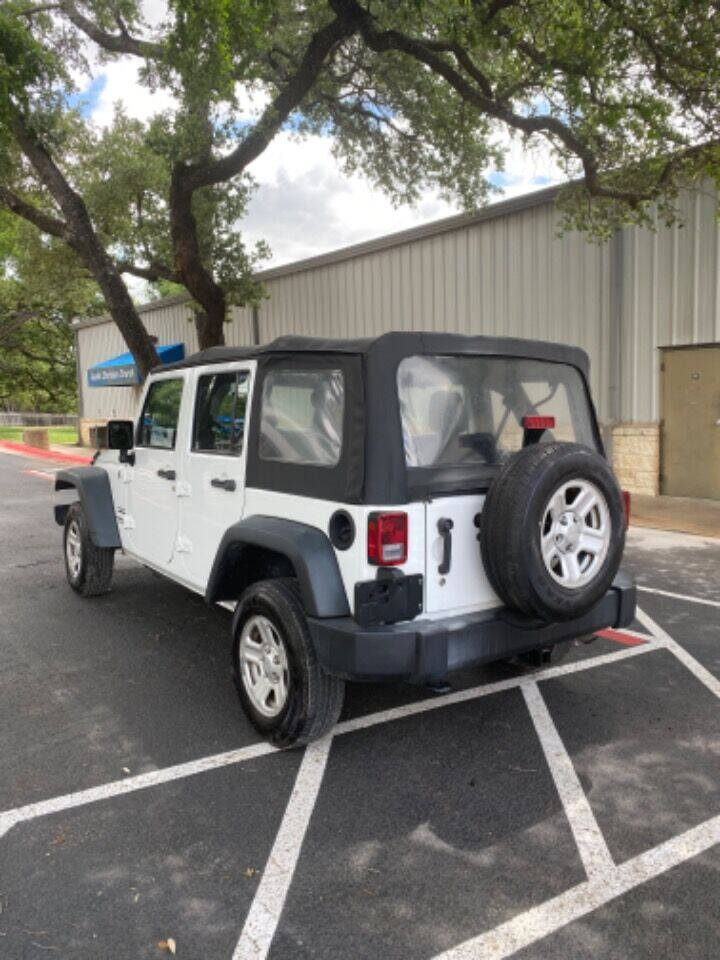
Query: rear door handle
x: 228, y: 485
x: 166, y: 474
x: 445, y: 526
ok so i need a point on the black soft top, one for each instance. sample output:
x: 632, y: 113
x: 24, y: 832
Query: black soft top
x: 371, y: 468
x: 393, y: 346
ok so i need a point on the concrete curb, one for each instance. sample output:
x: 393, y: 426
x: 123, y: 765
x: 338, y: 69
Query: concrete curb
x: 9, y: 446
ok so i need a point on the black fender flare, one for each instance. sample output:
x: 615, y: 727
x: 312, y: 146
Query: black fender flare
x: 93, y: 487
x: 306, y: 547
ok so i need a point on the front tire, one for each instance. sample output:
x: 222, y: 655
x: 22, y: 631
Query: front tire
x: 88, y: 568
x: 284, y: 691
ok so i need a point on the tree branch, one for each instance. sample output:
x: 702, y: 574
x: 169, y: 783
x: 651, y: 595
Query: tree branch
x: 80, y: 234
x: 298, y: 84
x: 554, y: 129
x: 27, y: 211
x: 121, y: 42
x: 153, y: 273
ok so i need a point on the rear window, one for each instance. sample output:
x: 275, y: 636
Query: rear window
x: 302, y: 417
x: 465, y: 411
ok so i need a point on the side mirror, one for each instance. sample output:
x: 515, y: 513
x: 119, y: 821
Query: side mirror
x: 120, y: 434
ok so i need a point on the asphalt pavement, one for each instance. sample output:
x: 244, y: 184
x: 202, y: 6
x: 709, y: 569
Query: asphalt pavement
x: 568, y: 813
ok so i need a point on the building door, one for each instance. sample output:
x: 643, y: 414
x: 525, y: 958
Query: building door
x: 691, y: 422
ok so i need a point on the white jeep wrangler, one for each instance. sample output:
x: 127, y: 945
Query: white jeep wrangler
x: 381, y: 509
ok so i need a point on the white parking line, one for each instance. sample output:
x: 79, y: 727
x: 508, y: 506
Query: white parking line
x: 538, y: 922
x: 679, y: 596
x: 139, y: 782
x: 703, y: 675
x: 264, y: 916
x: 590, y: 842
x: 156, y: 777
x: 472, y: 693
x: 606, y: 881
x: 613, y: 881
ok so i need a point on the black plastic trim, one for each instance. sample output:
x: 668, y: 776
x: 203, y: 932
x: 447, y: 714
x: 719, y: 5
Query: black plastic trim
x: 93, y: 487
x: 308, y: 550
x: 429, y: 649
x: 389, y: 598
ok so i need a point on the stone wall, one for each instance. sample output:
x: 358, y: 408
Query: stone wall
x: 84, y: 425
x: 636, y: 457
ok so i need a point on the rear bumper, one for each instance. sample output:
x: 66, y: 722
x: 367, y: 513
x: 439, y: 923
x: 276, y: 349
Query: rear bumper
x: 424, y: 650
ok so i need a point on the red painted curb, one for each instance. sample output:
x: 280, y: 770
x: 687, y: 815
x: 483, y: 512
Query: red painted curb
x: 43, y: 454
x: 619, y: 637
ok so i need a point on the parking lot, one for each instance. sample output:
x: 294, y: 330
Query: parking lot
x: 572, y: 812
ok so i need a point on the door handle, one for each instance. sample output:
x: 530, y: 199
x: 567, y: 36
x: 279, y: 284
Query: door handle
x: 166, y: 474
x: 228, y: 485
x: 445, y: 526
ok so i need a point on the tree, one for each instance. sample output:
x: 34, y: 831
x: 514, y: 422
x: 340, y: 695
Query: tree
x: 42, y: 288
x: 415, y: 93
x: 626, y: 95
x: 206, y: 143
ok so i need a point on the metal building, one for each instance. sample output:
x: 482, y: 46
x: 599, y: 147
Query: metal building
x: 629, y: 303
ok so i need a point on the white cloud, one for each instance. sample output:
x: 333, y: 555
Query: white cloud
x: 123, y: 85
x: 305, y: 205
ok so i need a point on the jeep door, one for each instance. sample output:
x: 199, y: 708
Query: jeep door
x: 212, y: 492
x: 152, y: 512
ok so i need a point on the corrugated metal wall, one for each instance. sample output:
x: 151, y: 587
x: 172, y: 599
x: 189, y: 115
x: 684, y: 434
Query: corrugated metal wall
x: 670, y: 287
x: 510, y: 275
x: 506, y: 274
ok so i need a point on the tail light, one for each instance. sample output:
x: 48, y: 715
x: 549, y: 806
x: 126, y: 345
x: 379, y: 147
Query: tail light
x: 387, y: 544
x: 626, y: 505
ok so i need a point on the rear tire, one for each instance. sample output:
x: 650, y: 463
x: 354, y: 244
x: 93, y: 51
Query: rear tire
x: 284, y: 691
x: 89, y: 569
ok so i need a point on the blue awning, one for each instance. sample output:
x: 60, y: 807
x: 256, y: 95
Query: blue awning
x: 122, y: 372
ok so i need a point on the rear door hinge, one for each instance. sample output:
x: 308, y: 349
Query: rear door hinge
x: 182, y: 488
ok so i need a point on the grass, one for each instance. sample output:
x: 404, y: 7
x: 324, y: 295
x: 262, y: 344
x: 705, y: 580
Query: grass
x: 57, y: 434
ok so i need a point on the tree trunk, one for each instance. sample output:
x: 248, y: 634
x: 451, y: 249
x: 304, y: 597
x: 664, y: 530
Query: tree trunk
x: 121, y: 307
x: 210, y: 330
x: 196, y: 278
x: 81, y: 236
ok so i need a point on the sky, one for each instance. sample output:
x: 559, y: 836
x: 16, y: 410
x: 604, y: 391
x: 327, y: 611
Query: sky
x: 304, y: 204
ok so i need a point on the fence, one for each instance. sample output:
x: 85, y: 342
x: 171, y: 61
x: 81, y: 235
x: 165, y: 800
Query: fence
x: 38, y: 419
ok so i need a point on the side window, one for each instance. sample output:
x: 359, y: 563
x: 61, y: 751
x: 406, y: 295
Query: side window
x: 302, y: 416
x: 159, y: 418
x: 220, y: 407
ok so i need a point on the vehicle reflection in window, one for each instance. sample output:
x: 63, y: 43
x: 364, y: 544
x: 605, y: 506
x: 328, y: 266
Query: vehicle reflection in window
x: 220, y: 409
x: 158, y: 422
x: 464, y: 410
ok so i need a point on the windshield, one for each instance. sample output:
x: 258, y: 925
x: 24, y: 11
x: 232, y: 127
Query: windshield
x: 465, y: 411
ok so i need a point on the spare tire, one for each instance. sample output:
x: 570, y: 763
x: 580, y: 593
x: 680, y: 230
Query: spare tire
x: 552, y: 530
